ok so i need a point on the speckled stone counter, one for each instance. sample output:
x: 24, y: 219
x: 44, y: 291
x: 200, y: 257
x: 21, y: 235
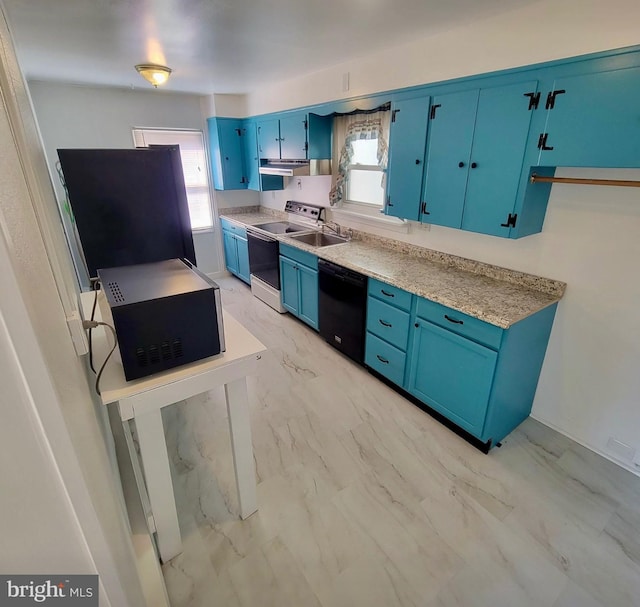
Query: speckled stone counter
x: 250, y: 216
x: 496, y: 295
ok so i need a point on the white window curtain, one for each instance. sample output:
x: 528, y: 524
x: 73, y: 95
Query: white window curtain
x: 347, y: 129
x: 194, y: 167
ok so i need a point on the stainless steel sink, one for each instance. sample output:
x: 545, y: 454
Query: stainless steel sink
x: 318, y: 239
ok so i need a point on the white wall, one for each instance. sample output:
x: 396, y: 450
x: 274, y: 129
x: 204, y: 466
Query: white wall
x: 549, y: 29
x: 73, y: 116
x: 51, y: 425
x: 314, y: 190
x: 39, y: 531
x: 590, y: 382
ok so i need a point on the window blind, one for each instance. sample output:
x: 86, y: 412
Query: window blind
x: 194, y: 167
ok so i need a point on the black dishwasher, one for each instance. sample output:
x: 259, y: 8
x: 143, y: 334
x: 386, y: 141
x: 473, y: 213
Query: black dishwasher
x: 342, y: 308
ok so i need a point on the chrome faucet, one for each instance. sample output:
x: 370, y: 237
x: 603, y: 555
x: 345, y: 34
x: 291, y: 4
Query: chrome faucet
x: 338, y: 230
x: 332, y: 227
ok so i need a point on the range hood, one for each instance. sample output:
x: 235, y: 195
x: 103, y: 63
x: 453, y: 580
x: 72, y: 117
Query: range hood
x: 295, y: 168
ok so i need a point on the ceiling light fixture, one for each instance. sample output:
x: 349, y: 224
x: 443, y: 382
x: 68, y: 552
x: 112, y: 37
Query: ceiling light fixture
x: 155, y: 74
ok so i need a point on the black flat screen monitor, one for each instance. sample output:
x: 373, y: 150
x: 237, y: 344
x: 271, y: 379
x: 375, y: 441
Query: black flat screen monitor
x: 130, y: 206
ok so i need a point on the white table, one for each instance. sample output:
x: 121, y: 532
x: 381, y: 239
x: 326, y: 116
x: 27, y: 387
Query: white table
x: 142, y: 400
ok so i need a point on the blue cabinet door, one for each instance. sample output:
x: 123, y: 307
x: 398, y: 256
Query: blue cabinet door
x: 319, y: 133
x: 243, y: 259
x: 251, y: 159
x: 289, y: 285
x: 230, y: 251
x: 595, y: 121
x: 451, y: 126
x: 407, y: 141
x: 227, y: 153
x: 499, y: 143
x: 308, y: 308
x: 293, y: 137
x: 269, y: 138
x: 452, y: 374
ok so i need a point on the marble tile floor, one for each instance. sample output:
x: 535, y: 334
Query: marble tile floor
x: 366, y: 500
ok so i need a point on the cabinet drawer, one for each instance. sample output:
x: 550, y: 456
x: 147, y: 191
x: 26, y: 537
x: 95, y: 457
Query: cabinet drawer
x: 308, y: 259
x: 385, y: 359
x: 232, y: 227
x: 388, y: 322
x: 460, y: 323
x: 391, y: 295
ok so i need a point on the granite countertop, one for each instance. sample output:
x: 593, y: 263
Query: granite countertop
x: 496, y: 295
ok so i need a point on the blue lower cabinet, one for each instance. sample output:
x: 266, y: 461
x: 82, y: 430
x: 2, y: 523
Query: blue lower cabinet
x: 479, y: 376
x: 236, y: 255
x: 384, y: 358
x: 243, y: 259
x: 290, y: 292
x: 230, y: 251
x: 452, y: 374
x: 299, y: 286
x: 308, y: 280
x: 388, y: 322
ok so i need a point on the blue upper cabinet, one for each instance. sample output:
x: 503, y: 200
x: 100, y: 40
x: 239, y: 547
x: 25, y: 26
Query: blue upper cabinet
x: 408, y: 133
x: 593, y: 121
x: 499, y: 144
x: 477, y: 143
x: 451, y: 125
x: 226, y: 151
x: 250, y: 153
x: 255, y: 181
x: 319, y: 136
x: 293, y: 137
x: 269, y: 138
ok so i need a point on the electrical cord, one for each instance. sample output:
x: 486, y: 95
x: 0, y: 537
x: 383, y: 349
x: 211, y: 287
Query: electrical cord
x: 92, y: 324
x: 95, y: 283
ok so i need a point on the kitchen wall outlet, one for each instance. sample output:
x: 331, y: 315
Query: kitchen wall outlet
x: 345, y: 82
x: 623, y: 451
x: 299, y: 183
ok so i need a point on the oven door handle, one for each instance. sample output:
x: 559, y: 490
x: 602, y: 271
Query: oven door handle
x: 260, y: 236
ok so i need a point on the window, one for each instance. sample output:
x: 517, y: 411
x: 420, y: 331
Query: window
x: 364, y: 175
x: 360, y: 144
x: 194, y: 167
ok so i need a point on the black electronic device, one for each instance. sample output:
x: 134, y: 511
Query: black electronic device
x: 130, y: 206
x: 166, y: 314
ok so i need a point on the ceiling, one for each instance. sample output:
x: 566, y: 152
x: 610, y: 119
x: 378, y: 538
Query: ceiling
x: 220, y: 46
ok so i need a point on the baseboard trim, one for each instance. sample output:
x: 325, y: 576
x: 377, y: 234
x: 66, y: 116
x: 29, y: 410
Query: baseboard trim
x: 215, y: 275
x: 626, y: 465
